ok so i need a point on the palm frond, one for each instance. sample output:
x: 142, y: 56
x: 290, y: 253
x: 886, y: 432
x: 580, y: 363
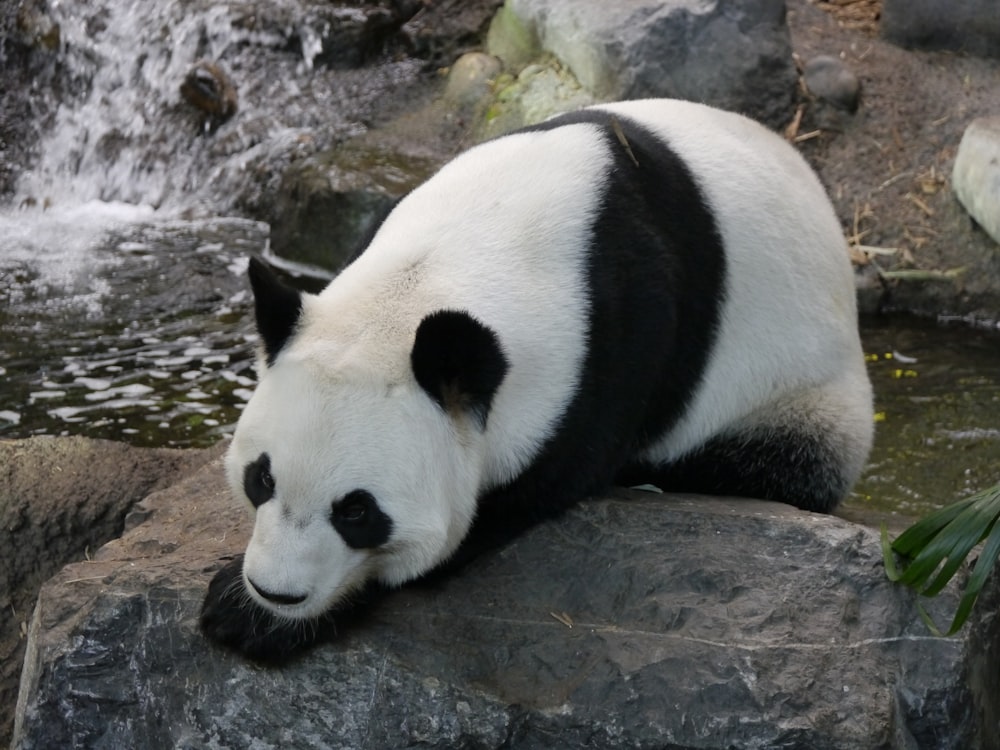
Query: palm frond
x: 932, y: 550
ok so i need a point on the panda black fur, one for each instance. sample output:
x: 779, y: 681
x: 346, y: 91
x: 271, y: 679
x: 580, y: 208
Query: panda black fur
x: 652, y: 291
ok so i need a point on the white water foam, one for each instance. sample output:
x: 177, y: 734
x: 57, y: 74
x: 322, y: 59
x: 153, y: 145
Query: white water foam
x: 52, y: 252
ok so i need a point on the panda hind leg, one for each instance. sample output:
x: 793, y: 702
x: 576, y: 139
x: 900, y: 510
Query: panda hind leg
x: 809, y: 457
x: 787, y: 468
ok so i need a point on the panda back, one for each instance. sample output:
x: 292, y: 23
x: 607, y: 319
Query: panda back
x: 640, y: 309
x: 789, y: 319
x: 503, y: 232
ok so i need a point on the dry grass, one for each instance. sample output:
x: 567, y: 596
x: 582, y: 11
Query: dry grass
x: 860, y: 15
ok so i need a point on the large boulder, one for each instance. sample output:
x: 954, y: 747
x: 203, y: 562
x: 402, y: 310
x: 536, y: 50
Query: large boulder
x: 971, y: 26
x: 637, y: 620
x: 329, y: 203
x: 733, y: 54
x: 60, y: 499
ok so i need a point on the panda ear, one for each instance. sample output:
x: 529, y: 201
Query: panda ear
x: 458, y: 361
x: 276, y: 305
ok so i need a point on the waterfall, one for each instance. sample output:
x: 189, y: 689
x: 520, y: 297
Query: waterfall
x: 123, y: 302
x: 122, y: 131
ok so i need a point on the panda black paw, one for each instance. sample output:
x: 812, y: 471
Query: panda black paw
x: 231, y: 618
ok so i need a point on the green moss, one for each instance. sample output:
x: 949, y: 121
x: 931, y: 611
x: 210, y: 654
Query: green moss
x: 510, y: 40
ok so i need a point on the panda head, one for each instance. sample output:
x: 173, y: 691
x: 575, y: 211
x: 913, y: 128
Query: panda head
x: 357, y: 467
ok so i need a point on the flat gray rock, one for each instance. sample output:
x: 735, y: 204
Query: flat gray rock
x: 638, y: 621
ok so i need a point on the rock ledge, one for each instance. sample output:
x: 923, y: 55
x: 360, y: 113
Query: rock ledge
x: 638, y: 620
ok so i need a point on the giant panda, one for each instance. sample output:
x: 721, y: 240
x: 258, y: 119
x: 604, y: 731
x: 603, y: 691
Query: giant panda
x: 644, y: 292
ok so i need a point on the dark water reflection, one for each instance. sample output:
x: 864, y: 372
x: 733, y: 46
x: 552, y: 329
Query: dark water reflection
x: 937, y: 398
x: 142, y: 333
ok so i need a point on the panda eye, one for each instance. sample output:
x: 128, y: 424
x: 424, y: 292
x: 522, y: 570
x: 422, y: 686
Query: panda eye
x: 266, y: 480
x: 359, y: 520
x: 258, y: 482
x: 353, y: 511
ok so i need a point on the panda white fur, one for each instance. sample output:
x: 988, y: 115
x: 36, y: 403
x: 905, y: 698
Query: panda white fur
x: 652, y: 291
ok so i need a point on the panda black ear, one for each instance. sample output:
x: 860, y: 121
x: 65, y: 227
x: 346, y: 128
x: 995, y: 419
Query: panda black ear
x: 276, y: 305
x: 459, y: 362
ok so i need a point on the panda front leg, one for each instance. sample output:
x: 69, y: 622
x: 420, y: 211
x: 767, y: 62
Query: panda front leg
x: 231, y: 618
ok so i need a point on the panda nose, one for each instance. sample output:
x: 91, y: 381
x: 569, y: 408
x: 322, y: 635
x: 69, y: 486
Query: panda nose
x: 277, y: 598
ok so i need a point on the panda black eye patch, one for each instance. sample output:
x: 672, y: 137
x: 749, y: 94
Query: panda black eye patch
x: 258, y: 483
x: 359, y: 520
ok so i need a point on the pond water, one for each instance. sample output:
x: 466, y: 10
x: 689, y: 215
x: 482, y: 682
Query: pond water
x: 117, y: 324
x: 937, y: 402
x: 125, y: 328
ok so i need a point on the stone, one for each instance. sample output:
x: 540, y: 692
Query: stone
x: 970, y: 26
x: 470, y: 81
x: 209, y: 88
x: 975, y: 177
x: 445, y: 29
x: 347, y: 35
x: 735, y: 55
x: 61, y: 498
x: 328, y: 205
x: 637, y: 620
x: 538, y: 92
x: 830, y: 79
x: 37, y: 26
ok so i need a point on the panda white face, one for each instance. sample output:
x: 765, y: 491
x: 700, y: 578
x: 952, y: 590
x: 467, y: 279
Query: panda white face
x: 359, y: 461
x: 350, y: 479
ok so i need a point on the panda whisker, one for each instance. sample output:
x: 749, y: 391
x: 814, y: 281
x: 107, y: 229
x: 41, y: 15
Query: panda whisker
x: 236, y: 590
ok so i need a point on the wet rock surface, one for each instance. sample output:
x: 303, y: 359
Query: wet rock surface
x: 28, y: 38
x: 443, y: 30
x: 638, y: 620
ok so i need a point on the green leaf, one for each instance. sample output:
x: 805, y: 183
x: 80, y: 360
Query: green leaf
x: 929, y: 621
x: 888, y: 559
x: 916, y: 537
x: 940, y: 543
x: 987, y: 560
x: 969, y: 530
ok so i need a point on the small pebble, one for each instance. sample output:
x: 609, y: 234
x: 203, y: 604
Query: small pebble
x: 828, y: 78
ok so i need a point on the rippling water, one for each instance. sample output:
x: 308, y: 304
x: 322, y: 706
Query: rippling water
x: 114, y: 324
x: 937, y: 401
